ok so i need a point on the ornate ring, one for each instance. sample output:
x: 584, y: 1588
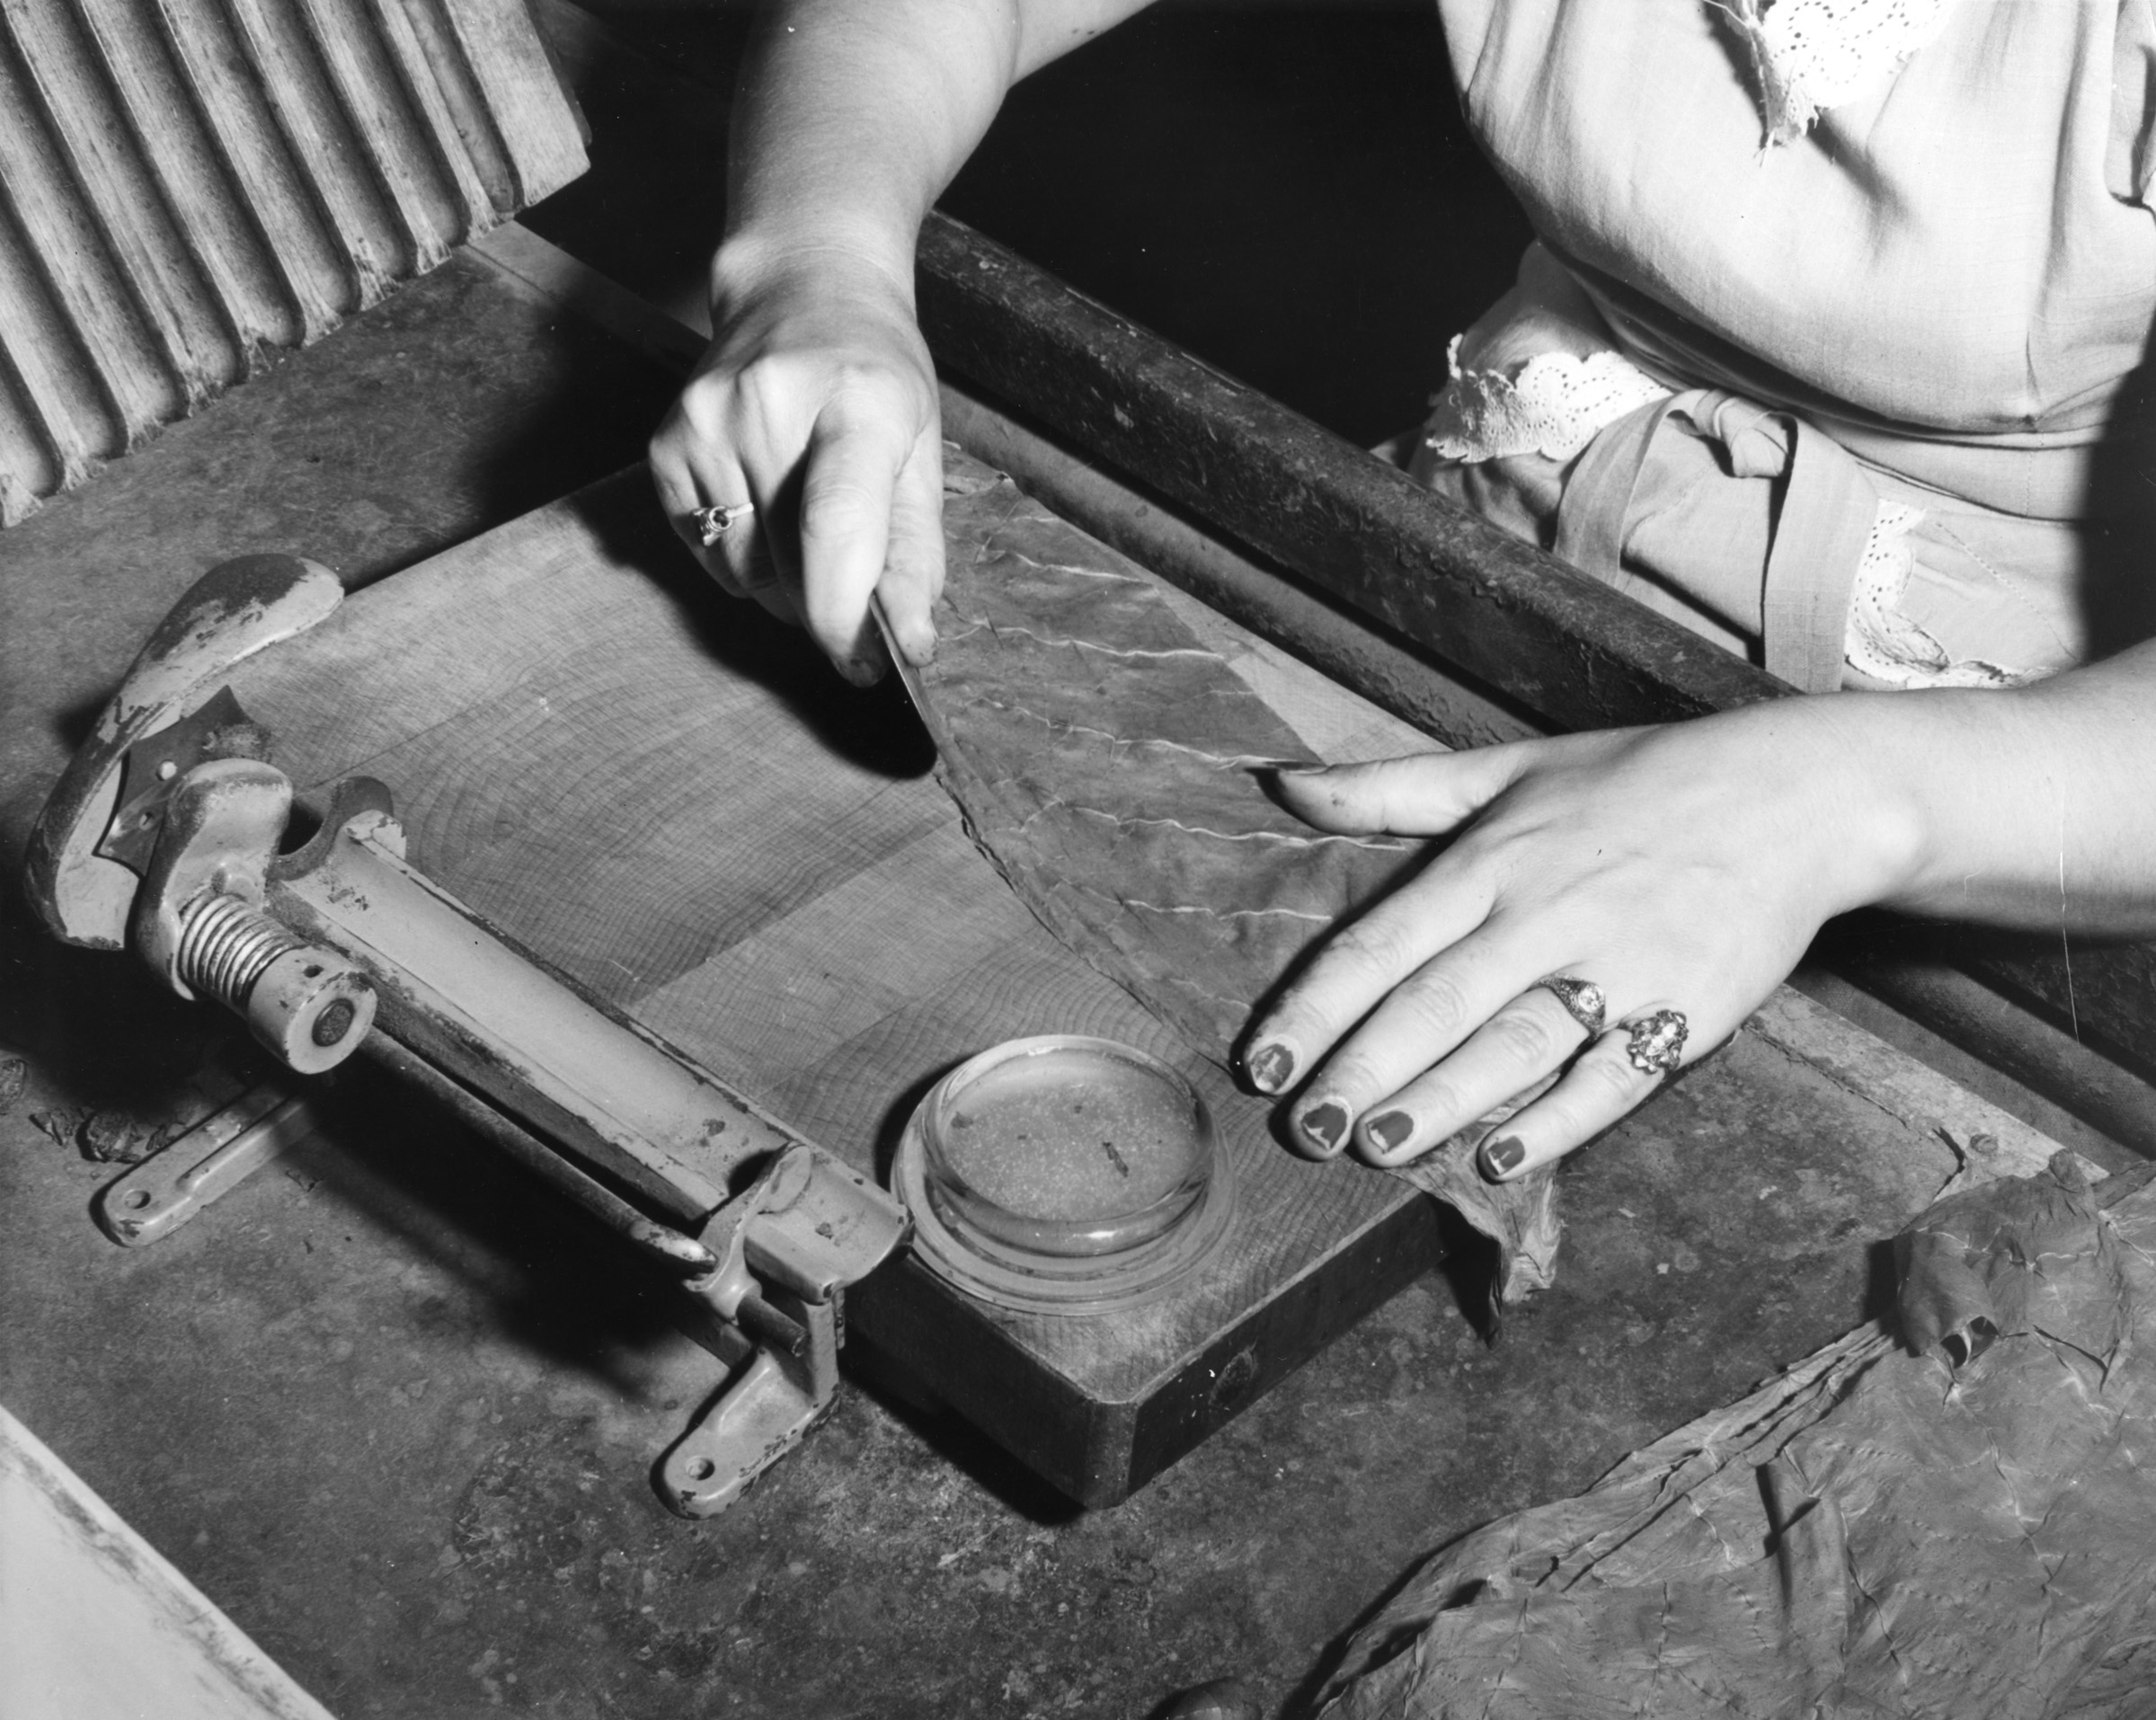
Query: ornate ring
x: 714, y: 523
x: 1583, y: 999
x: 1656, y: 1043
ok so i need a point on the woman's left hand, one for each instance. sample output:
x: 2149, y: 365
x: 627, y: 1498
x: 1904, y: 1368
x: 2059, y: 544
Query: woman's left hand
x: 1683, y: 868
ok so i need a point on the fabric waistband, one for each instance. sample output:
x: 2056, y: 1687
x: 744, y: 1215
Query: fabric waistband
x: 2056, y: 474
x: 1827, y: 510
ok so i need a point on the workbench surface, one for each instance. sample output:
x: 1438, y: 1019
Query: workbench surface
x: 392, y: 1407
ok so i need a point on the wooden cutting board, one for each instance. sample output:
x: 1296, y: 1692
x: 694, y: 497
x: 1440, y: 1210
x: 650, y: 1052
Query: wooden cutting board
x: 667, y: 796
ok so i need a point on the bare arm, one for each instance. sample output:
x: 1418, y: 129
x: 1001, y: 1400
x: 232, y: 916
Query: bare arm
x: 816, y: 400
x: 1687, y: 868
x: 2033, y: 809
x: 855, y: 115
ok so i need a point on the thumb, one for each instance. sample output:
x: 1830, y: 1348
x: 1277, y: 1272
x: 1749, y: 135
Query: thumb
x: 913, y: 566
x: 1425, y: 794
x: 846, y: 499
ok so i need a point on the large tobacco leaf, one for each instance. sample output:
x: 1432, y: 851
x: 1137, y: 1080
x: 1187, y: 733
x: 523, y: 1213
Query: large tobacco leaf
x: 1111, y: 766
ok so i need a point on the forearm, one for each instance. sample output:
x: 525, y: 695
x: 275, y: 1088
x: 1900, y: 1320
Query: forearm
x: 2031, y: 808
x: 855, y: 115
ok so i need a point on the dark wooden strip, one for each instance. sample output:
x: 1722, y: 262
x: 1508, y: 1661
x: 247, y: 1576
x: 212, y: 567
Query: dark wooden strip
x: 1561, y: 642
x: 2019, y: 1036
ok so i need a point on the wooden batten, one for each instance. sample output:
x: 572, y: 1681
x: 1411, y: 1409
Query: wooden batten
x: 186, y: 182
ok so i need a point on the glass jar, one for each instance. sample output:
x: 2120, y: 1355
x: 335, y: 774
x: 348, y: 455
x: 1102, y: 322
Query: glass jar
x: 1064, y: 1172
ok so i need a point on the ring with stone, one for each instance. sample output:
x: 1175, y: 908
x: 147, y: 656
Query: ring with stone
x: 1656, y: 1043
x: 1583, y: 999
x: 714, y: 523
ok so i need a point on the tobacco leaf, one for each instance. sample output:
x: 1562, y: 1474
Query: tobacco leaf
x: 1112, y: 767
x: 1881, y: 1531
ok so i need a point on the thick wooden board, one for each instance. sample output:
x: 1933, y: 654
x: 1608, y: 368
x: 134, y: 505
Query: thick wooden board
x: 602, y: 756
x: 185, y: 182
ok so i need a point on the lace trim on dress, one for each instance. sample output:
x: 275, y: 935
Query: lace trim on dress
x: 1552, y: 404
x: 1811, y: 55
x: 1882, y: 642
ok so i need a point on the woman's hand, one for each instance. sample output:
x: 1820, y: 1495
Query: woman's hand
x: 1683, y: 868
x: 816, y: 402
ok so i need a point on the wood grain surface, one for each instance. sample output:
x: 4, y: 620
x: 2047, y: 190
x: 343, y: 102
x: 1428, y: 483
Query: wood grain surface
x: 184, y: 183
x: 607, y: 760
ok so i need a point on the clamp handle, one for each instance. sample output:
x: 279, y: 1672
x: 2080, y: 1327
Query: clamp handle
x: 235, y: 609
x: 788, y: 1246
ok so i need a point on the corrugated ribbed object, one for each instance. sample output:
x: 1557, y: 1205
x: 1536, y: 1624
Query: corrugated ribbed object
x: 184, y: 183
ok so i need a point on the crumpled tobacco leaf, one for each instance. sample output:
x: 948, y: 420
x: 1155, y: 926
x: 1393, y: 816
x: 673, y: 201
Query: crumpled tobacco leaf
x: 1878, y: 1532
x: 1110, y: 765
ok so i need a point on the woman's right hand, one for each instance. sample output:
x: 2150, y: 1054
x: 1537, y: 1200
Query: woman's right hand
x: 816, y: 400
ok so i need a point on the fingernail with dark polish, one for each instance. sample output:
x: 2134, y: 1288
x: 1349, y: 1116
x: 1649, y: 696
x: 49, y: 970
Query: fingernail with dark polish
x: 1325, y: 1126
x: 1391, y: 1131
x: 1271, y: 1066
x: 1499, y: 1156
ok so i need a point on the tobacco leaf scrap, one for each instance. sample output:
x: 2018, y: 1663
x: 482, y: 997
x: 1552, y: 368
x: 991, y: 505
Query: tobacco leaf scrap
x: 1109, y: 764
x: 1881, y: 1531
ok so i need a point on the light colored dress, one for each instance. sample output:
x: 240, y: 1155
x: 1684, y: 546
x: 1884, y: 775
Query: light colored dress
x: 1830, y: 343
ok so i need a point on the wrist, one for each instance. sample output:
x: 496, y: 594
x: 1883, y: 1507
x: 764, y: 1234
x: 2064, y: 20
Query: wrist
x: 1911, y: 783
x: 814, y: 257
x: 1857, y: 821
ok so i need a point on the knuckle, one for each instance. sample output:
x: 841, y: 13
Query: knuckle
x: 918, y: 556
x: 835, y: 509
x: 1354, y: 1078
x: 1437, y: 1098
x: 1613, y: 1078
x: 1525, y: 1037
x: 661, y: 451
x: 764, y: 394
x: 1436, y: 1003
x: 1368, y: 952
x: 859, y: 393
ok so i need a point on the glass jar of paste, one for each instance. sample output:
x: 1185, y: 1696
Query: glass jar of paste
x: 1064, y: 1174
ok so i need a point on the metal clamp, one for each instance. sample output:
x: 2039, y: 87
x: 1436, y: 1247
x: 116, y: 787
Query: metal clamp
x: 788, y: 1246
x: 169, y: 830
